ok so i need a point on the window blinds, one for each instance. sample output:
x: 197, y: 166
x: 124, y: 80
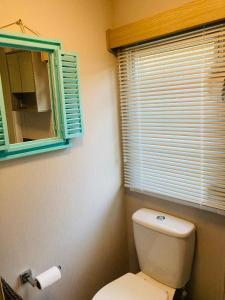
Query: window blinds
x: 173, y: 116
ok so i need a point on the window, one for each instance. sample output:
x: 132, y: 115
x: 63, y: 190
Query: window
x: 173, y: 116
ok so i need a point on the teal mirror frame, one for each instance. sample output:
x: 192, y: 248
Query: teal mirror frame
x: 65, y: 90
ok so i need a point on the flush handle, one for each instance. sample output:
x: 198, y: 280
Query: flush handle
x: 161, y: 218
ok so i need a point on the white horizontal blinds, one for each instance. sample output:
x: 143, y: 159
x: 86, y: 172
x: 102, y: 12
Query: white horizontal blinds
x: 4, y: 140
x: 2, y: 133
x: 173, y: 116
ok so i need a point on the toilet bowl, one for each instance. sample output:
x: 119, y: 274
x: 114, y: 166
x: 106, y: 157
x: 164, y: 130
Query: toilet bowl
x: 165, y: 248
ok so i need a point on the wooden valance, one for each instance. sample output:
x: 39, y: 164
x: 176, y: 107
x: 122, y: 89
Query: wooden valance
x: 190, y: 15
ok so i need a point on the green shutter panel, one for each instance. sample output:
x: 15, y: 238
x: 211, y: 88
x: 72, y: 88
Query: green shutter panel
x: 73, y: 118
x: 4, y: 141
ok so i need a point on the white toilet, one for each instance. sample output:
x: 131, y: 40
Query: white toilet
x: 165, y: 248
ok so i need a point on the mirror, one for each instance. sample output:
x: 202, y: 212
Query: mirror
x: 27, y: 94
x: 40, y: 105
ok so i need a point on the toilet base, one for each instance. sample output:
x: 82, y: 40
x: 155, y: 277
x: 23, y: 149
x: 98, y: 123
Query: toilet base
x: 180, y: 294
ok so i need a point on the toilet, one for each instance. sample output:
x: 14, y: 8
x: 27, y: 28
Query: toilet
x: 165, y: 249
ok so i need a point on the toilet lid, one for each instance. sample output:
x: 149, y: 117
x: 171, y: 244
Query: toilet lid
x: 131, y: 287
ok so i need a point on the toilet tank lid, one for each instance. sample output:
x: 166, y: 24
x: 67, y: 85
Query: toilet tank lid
x: 163, y: 223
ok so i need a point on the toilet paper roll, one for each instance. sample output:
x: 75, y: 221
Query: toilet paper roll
x: 48, y: 277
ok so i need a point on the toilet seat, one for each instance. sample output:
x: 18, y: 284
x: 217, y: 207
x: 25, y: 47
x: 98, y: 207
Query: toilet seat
x: 133, y: 287
x: 170, y: 291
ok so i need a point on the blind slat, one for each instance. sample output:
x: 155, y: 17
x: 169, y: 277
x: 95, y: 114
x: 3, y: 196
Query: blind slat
x: 172, y: 95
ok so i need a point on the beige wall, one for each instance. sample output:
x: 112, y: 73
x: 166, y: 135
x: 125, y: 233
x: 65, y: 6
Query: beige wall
x: 207, y: 281
x: 126, y: 11
x: 66, y: 207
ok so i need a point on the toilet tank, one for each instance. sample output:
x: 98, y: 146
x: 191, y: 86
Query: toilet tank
x: 165, y: 246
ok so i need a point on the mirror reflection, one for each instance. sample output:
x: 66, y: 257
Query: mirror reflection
x: 27, y: 94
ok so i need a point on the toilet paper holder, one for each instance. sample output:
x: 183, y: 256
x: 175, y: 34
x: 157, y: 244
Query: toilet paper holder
x: 28, y: 277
